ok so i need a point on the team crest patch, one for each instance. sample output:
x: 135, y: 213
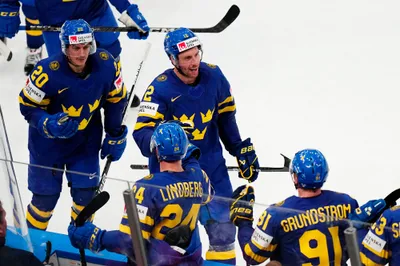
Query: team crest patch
x: 148, y: 177
x: 162, y: 78
x: 54, y: 65
x: 212, y: 66
x: 103, y: 55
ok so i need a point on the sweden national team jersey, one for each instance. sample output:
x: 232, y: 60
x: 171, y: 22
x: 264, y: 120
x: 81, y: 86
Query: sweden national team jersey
x: 53, y: 87
x: 301, y: 231
x: 381, y: 245
x: 209, y: 105
x: 166, y: 200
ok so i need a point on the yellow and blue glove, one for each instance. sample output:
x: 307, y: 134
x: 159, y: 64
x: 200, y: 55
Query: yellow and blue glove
x: 87, y: 236
x: 247, y: 161
x: 241, y: 211
x: 9, y: 19
x: 367, y: 213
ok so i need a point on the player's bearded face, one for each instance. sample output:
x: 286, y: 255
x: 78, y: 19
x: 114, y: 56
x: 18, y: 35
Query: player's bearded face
x: 78, y: 53
x: 189, y: 62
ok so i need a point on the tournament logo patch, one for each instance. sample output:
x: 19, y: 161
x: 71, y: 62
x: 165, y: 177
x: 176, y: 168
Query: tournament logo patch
x: 142, y: 211
x: 103, y: 55
x: 261, y: 238
x: 33, y: 93
x: 148, y: 109
x: 162, y: 78
x: 212, y: 66
x: 54, y: 65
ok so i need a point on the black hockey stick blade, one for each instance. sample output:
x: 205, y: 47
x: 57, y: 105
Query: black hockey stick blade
x: 97, y: 202
x: 392, y: 198
x: 227, y: 20
x: 283, y: 169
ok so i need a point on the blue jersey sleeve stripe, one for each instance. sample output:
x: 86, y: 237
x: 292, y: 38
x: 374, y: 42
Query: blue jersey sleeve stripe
x: 368, y: 262
x: 21, y: 101
x: 269, y: 248
x: 227, y: 109
x: 253, y: 255
x: 383, y: 254
x: 142, y: 125
x: 227, y: 100
x: 126, y: 230
x: 156, y: 116
x: 118, y: 97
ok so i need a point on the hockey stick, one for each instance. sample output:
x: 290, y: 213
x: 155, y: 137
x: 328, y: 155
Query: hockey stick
x: 285, y: 167
x: 230, y: 17
x: 4, y: 50
x: 97, y: 202
x: 108, y: 162
x: 137, y: 76
x: 392, y: 198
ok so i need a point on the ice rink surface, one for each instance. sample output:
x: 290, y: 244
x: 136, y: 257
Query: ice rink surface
x: 305, y: 74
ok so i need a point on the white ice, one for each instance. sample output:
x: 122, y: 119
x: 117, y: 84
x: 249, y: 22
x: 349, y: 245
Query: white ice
x: 305, y: 74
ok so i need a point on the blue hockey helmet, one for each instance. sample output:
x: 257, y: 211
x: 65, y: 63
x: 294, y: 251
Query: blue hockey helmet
x: 75, y: 32
x: 180, y: 40
x: 311, y: 168
x: 171, y: 142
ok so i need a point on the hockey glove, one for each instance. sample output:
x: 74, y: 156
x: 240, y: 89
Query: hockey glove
x: 367, y: 213
x: 242, y: 206
x: 9, y: 19
x: 132, y: 17
x: 87, y: 236
x: 188, y: 127
x: 247, y: 161
x: 114, y: 146
x: 59, y: 125
x: 192, y: 151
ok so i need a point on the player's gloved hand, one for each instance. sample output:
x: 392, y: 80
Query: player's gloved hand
x: 367, y: 213
x: 192, y: 151
x: 114, y: 146
x: 188, y: 127
x: 132, y: 17
x: 247, y: 161
x: 9, y: 19
x: 87, y: 236
x: 241, y: 212
x: 59, y: 125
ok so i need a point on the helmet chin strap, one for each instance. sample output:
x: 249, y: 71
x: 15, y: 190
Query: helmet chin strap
x: 176, y: 65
